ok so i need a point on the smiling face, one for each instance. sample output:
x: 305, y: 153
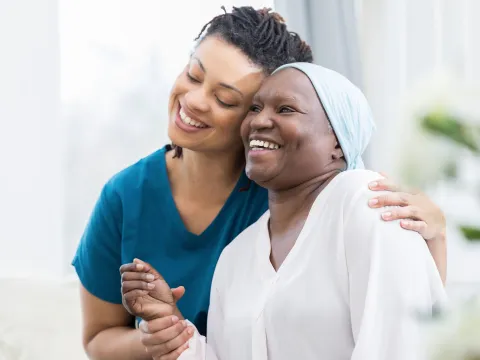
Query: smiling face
x: 286, y: 134
x: 211, y: 96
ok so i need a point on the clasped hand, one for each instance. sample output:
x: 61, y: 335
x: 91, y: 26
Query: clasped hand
x: 147, y: 295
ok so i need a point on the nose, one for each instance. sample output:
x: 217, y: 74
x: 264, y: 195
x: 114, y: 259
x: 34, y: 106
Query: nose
x: 196, y: 100
x: 261, y: 121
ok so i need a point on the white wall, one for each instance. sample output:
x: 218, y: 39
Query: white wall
x: 83, y: 93
x: 31, y: 136
x: 403, y: 42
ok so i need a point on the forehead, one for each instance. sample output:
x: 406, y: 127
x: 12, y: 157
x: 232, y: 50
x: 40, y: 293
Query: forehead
x: 226, y: 63
x: 291, y: 82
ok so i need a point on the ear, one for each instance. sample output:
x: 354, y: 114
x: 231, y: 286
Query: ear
x: 337, y: 152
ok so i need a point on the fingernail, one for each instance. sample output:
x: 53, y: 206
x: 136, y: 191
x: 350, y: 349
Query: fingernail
x: 190, y: 331
x: 139, y: 267
x: 150, y: 277
x: 387, y: 215
x: 151, y: 285
x: 373, y: 202
x: 404, y: 223
x: 373, y: 184
x: 184, y: 323
x: 174, y: 319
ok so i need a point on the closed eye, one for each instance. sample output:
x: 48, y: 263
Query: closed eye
x: 224, y: 104
x: 255, y: 108
x: 192, y: 79
x: 285, y: 110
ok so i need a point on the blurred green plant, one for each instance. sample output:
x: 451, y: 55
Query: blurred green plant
x: 452, y: 128
x: 471, y: 233
x: 442, y: 124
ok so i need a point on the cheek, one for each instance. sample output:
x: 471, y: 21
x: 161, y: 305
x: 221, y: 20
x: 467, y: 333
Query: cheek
x: 181, y: 86
x: 245, y: 127
x: 229, y: 121
x: 294, y: 134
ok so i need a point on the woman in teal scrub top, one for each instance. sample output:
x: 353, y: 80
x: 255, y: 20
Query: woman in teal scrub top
x: 180, y: 206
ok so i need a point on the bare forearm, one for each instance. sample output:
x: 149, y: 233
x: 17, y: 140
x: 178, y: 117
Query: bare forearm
x: 118, y: 343
x: 438, y: 249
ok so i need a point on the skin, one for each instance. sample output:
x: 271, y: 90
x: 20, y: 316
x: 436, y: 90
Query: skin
x: 416, y: 212
x: 201, y: 181
x: 309, y: 157
x: 212, y: 160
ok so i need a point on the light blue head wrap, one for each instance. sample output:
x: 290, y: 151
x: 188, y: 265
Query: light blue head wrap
x: 346, y: 108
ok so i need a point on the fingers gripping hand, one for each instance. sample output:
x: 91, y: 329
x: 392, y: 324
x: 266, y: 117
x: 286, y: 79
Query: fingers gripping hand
x: 165, y: 338
x: 416, y: 211
x: 145, y: 293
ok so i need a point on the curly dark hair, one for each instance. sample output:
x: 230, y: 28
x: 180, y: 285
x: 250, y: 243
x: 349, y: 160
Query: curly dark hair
x: 261, y: 35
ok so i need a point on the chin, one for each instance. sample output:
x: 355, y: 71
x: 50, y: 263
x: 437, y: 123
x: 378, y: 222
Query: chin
x: 174, y: 134
x: 259, y: 175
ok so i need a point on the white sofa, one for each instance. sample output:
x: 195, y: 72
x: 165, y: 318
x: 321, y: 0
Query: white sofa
x: 40, y: 320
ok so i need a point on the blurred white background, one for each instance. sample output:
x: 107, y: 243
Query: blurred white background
x: 84, y: 88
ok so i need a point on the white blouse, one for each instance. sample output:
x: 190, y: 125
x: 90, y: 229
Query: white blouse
x: 349, y: 289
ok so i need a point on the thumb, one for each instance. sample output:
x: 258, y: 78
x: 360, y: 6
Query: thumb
x: 149, y: 269
x: 178, y: 293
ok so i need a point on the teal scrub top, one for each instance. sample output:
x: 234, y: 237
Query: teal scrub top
x: 136, y: 217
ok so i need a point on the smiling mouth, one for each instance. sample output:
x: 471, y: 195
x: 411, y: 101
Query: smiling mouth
x: 189, y: 121
x: 256, y: 145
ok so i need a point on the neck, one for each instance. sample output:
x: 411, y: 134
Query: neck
x: 288, y: 207
x: 205, y: 175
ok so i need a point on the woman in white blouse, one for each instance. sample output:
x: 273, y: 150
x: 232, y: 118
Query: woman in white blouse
x: 320, y: 275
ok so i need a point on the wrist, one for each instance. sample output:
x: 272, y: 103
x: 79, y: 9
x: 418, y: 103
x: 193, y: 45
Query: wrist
x: 160, y: 311
x: 441, y: 237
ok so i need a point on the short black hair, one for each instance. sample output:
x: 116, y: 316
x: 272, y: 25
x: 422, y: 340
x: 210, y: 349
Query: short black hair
x: 261, y: 35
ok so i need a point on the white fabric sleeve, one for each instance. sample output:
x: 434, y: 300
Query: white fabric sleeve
x: 392, y: 280
x: 198, y: 348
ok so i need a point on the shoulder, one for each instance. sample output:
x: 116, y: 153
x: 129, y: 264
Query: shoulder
x: 243, y: 246
x: 239, y: 256
x: 364, y: 226
x: 351, y: 191
x: 362, y: 222
x: 355, y: 182
x: 245, y: 240
x: 134, y: 177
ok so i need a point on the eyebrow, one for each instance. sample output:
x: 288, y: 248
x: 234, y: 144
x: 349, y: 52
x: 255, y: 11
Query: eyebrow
x: 276, y: 97
x: 222, y: 84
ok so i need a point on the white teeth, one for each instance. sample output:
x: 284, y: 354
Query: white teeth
x: 188, y: 120
x: 259, y: 144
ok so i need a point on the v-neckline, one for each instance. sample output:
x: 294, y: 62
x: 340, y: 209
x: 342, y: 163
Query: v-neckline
x: 177, y: 219
x: 264, y: 234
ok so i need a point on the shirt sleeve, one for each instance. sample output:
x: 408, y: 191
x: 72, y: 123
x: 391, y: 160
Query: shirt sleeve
x: 215, y: 346
x: 98, y: 257
x: 392, y: 281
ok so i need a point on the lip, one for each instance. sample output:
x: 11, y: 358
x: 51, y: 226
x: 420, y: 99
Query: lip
x: 258, y: 154
x: 185, y: 127
x: 263, y: 138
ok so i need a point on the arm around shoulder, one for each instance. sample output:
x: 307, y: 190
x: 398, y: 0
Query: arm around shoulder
x: 392, y: 277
